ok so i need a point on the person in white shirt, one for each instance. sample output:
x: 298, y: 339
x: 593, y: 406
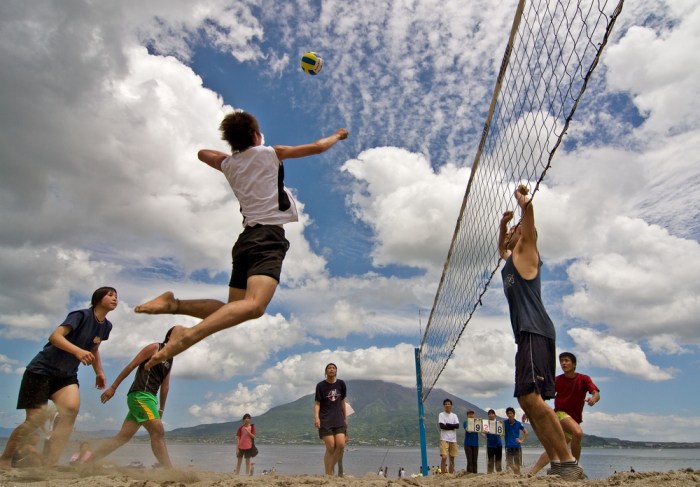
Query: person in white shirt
x: 256, y: 176
x: 449, y: 424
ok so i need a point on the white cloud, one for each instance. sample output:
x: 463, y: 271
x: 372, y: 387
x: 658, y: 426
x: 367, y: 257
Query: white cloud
x: 641, y: 427
x: 398, y: 194
x: 616, y: 354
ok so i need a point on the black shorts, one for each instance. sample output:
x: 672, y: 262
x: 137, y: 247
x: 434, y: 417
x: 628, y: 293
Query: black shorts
x: 245, y: 453
x: 259, y: 251
x: 36, y: 389
x: 535, y: 366
x: 322, y: 432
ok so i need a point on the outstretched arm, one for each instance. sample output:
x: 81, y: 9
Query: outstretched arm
x: 212, y: 158
x: 321, y: 145
x: 142, y: 356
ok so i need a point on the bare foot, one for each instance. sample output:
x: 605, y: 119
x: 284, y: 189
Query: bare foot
x: 180, y: 340
x: 163, y: 304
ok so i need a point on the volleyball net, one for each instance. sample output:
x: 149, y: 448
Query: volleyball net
x: 553, y: 49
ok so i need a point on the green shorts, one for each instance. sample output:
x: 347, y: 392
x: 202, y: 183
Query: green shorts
x: 143, y: 406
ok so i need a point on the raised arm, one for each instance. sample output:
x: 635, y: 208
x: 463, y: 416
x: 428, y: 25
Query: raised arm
x: 141, y: 357
x: 502, y: 234
x: 212, y: 158
x: 321, y: 145
x: 526, y: 257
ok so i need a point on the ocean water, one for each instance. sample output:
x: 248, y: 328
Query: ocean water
x: 359, y: 460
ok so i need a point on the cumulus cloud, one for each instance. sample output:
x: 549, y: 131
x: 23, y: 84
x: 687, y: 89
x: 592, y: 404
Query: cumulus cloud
x: 613, y: 353
x: 398, y: 194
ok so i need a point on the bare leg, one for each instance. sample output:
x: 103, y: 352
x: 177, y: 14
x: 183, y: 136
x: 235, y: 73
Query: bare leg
x: 239, y: 460
x: 452, y: 464
x: 67, y: 401
x: 541, y: 462
x: 339, y: 450
x: 157, y: 433
x: 257, y: 297
x: 443, y: 463
x: 34, y: 418
x: 569, y: 425
x: 334, y: 448
x: 247, y: 466
x: 546, y: 425
x: 129, y: 429
x: 166, y: 303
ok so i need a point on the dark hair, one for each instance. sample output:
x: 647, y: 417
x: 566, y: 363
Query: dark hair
x: 239, y: 129
x: 491, y: 411
x: 246, y: 416
x: 325, y: 371
x: 167, y: 335
x: 101, y: 293
x: 568, y: 355
x: 446, y: 401
x: 510, y: 409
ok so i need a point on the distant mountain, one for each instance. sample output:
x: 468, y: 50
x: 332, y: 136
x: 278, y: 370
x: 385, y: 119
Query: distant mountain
x: 385, y: 414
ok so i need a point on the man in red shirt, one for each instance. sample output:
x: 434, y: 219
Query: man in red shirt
x: 571, y: 391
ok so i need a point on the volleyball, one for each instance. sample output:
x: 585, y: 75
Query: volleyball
x: 311, y: 63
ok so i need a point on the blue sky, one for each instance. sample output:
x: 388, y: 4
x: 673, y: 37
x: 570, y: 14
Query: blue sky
x: 105, y: 104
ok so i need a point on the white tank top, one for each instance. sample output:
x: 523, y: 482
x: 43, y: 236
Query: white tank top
x: 256, y: 177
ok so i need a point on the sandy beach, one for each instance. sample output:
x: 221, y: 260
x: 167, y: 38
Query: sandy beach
x: 125, y: 477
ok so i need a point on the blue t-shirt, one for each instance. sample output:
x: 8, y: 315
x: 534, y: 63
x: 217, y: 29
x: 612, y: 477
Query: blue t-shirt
x: 86, y: 333
x: 493, y: 441
x: 512, y: 433
x: 470, y: 438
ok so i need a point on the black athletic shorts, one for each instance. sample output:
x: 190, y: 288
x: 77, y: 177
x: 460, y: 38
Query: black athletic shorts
x: 36, y: 389
x: 535, y: 365
x: 259, y: 251
x: 330, y: 431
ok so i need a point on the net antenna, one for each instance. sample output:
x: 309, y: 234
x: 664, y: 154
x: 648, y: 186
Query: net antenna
x: 553, y: 48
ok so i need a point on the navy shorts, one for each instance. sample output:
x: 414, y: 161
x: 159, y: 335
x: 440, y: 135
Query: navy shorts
x: 36, y: 389
x: 535, y: 365
x: 259, y: 251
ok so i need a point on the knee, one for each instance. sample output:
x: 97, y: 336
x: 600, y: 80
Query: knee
x: 577, y: 435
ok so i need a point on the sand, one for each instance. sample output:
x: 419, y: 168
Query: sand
x: 126, y: 477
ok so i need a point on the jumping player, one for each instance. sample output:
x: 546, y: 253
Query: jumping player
x: 256, y: 175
